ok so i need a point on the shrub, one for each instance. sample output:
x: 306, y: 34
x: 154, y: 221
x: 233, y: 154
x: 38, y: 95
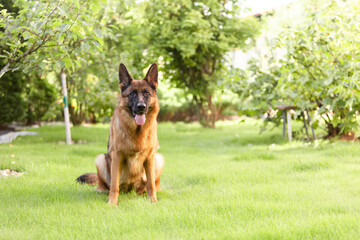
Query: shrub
x: 12, y: 102
x: 40, y: 95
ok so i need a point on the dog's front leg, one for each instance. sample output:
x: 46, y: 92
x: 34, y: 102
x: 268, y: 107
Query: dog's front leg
x: 150, y: 175
x: 115, y: 177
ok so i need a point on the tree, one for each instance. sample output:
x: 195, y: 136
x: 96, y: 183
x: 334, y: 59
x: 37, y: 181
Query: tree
x: 13, y: 106
x: 48, y: 32
x: 66, y: 28
x: 192, y: 39
x: 318, y: 71
x: 19, y: 90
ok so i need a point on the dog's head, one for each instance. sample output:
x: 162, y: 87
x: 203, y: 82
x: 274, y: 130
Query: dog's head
x: 140, y: 95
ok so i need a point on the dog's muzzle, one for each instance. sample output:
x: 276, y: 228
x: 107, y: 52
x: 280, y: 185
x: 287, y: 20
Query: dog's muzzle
x: 140, y: 114
x: 140, y: 107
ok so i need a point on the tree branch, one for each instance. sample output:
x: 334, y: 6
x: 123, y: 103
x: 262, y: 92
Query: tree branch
x: 5, y: 69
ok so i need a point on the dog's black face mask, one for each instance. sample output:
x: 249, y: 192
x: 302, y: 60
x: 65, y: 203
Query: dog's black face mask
x: 138, y: 92
x: 139, y: 103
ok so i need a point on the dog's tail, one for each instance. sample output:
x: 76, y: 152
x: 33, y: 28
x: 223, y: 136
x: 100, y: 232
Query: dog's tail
x: 88, y: 178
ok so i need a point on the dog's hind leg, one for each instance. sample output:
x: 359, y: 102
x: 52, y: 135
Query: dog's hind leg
x: 159, y: 165
x: 141, y: 188
x: 102, y: 173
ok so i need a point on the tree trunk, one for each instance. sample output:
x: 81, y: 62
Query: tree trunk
x: 213, y: 111
x: 66, y: 109
x: 207, y: 111
x: 92, y: 118
x: 333, y: 131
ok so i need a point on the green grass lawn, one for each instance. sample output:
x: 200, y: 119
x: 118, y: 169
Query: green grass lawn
x: 227, y: 183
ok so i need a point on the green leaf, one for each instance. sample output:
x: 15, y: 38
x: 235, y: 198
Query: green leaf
x: 68, y: 62
x: 349, y: 102
x: 63, y: 11
x: 98, y: 33
x: 78, y: 30
x: 85, y: 46
x: 63, y: 27
x: 42, y: 65
x: 96, y: 44
x: 15, y: 69
x: 328, y: 81
x: 39, y: 25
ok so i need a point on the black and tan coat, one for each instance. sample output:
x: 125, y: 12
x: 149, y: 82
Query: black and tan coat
x: 132, y: 161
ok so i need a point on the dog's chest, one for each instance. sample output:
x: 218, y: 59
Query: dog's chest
x: 135, y: 164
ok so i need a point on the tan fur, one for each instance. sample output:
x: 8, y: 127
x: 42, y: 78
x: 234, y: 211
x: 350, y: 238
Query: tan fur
x: 132, y: 162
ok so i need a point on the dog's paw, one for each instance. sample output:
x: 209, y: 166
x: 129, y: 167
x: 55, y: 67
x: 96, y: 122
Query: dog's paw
x: 112, y: 203
x: 153, y: 198
x: 113, y: 198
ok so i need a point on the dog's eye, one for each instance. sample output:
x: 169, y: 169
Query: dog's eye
x: 146, y: 94
x: 133, y: 94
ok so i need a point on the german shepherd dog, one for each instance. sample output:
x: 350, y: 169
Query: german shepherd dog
x: 131, y: 162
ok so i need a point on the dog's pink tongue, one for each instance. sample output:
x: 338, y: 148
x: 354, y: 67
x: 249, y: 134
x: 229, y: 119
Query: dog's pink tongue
x: 140, y: 119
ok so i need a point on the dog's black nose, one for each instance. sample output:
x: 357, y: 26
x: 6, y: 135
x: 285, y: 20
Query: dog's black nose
x: 141, y: 106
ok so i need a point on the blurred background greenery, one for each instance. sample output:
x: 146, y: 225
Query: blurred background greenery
x: 217, y: 59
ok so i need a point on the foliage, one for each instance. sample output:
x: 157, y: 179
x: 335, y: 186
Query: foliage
x: 20, y: 91
x: 11, y: 87
x: 176, y: 105
x: 9, y: 6
x: 47, y: 36
x: 12, y: 103
x: 90, y: 98
x: 24, y: 98
x: 39, y: 96
x: 52, y: 32
x: 192, y: 39
x: 69, y: 34
x: 318, y: 68
x: 39, y: 36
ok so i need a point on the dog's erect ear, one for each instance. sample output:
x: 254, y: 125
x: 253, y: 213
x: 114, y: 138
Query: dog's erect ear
x: 152, y: 76
x: 124, y: 77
